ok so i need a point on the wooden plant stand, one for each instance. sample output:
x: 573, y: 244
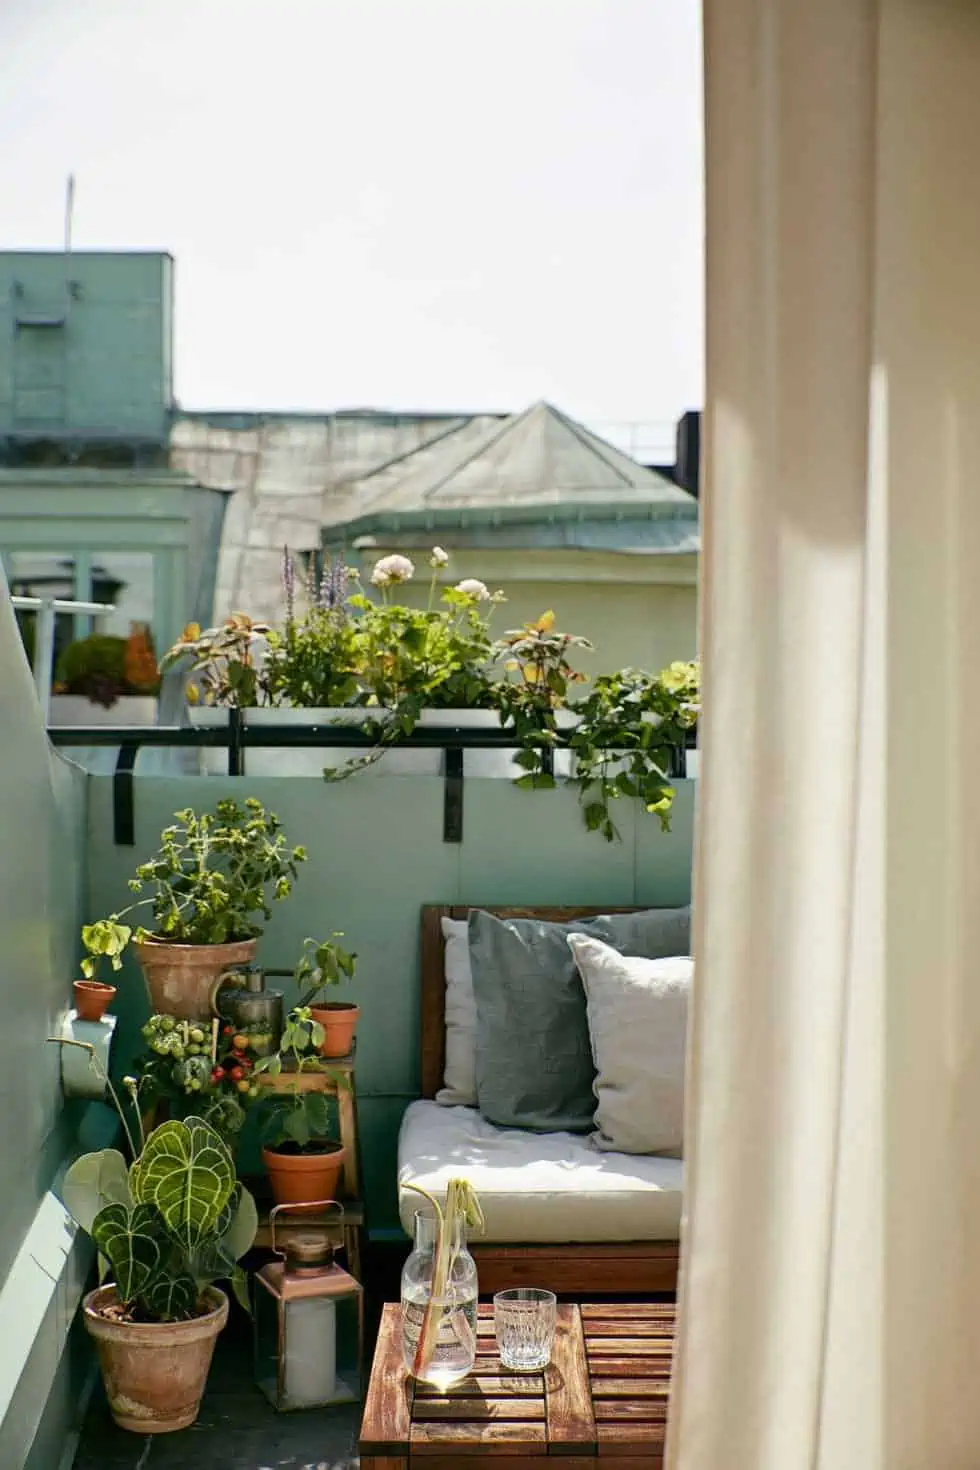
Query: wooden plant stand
x: 601, y: 1401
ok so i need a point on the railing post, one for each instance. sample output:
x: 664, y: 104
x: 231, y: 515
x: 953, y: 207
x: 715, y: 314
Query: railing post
x: 44, y: 654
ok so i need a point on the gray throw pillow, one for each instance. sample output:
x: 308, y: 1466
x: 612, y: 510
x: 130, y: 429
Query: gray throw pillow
x: 534, y: 1066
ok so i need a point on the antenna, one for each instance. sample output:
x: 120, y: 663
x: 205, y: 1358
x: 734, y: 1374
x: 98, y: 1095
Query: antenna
x: 69, y: 210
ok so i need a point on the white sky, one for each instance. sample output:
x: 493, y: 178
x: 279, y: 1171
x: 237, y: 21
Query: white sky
x: 417, y: 204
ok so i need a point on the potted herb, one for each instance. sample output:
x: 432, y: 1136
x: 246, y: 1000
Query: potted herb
x: 168, y: 1226
x: 322, y: 965
x: 104, y: 680
x: 229, y: 664
x: 214, y: 876
x: 630, y: 727
x: 302, y: 1160
x: 533, y: 698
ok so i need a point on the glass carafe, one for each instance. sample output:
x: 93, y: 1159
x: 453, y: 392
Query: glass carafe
x: 454, y: 1341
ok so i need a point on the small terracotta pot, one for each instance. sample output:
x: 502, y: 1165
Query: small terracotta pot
x: 92, y: 998
x: 339, y: 1020
x: 182, y: 978
x: 154, y: 1372
x: 298, y: 1178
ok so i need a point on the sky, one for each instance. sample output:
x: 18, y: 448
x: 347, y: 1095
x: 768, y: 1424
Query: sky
x: 441, y: 205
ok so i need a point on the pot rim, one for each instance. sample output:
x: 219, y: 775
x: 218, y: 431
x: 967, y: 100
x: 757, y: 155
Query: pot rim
x: 94, y: 985
x: 335, y: 1148
x: 208, y: 1323
x: 150, y: 942
x: 335, y: 1005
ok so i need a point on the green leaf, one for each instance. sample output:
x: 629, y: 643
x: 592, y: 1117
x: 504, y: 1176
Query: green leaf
x: 94, y: 1181
x: 171, y: 1298
x: 130, y: 1242
x: 318, y: 1114
x: 186, y: 1171
x: 241, y: 1231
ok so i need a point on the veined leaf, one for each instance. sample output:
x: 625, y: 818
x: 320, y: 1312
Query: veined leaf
x: 94, y: 1181
x: 170, y: 1298
x: 187, y: 1173
x: 129, y: 1240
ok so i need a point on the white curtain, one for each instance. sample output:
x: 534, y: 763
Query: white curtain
x: 830, y: 1300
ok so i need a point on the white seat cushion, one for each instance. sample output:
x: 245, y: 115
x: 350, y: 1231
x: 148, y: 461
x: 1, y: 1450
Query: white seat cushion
x: 537, y: 1188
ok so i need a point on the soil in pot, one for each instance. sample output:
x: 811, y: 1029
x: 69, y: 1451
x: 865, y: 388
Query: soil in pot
x: 92, y: 998
x: 300, y: 1174
x: 154, y: 1372
x: 181, y: 978
x: 339, y: 1020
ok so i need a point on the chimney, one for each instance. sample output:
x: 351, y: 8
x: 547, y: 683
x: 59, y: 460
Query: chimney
x: 687, y: 470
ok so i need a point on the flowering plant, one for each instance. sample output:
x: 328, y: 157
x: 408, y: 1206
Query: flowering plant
x: 312, y: 663
x: 535, y: 659
x: 229, y: 658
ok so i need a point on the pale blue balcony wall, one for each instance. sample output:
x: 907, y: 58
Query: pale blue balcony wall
x: 376, y: 856
x: 42, y: 1265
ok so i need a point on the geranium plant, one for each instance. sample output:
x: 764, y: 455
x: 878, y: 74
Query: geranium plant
x: 214, y: 876
x: 631, y: 725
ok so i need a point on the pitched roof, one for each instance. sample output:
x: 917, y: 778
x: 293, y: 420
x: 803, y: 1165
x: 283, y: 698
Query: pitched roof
x: 535, y: 461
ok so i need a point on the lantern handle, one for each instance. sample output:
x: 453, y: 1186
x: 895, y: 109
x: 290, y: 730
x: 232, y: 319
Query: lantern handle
x: 313, y: 1204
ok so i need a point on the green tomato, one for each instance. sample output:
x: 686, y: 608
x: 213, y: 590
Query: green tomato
x: 192, y: 1050
x: 195, y: 1084
x: 167, y: 1023
x: 197, y: 1035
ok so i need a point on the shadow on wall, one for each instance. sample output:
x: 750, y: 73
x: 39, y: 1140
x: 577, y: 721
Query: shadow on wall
x: 42, y: 807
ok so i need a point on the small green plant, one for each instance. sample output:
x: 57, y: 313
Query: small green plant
x: 322, y: 964
x: 169, y: 1223
x: 214, y: 876
x: 228, y: 658
x: 631, y: 726
x: 536, y: 660
x: 94, y: 667
x: 312, y: 663
x: 296, y: 1117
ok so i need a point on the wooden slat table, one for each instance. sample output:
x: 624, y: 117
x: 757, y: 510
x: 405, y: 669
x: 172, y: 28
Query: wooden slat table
x: 601, y: 1401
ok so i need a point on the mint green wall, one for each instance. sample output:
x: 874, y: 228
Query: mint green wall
x: 42, y: 1266
x: 105, y: 371
x: 377, y: 856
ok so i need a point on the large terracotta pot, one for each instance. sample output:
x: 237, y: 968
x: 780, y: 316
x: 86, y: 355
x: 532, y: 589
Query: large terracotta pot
x: 154, y: 1372
x: 302, y: 1178
x: 182, y: 978
x: 339, y: 1020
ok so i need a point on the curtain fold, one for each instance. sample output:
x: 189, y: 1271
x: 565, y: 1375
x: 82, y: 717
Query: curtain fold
x: 831, y: 1284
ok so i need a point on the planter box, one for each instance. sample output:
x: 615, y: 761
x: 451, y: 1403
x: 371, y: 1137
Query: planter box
x: 74, y: 710
x: 398, y: 761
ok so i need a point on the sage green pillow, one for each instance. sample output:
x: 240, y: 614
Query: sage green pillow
x: 534, y: 1066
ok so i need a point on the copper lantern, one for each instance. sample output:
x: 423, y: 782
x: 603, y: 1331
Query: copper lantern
x: 309, y: 1320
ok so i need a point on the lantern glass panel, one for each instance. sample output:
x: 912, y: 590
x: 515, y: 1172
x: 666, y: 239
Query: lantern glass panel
x: 308, y: 1343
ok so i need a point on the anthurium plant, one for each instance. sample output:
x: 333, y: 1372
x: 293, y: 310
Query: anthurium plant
x: 215, y: 875
x: 167, y: 1224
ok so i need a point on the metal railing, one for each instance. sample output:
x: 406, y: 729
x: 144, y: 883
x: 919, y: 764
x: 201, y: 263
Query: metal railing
x: 46, y: 608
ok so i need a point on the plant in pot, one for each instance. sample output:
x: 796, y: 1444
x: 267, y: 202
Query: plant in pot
x: 229, y: 658
x: 214, y: 876
x: 190, y: 1069
x: 102, y: 673
x: 167, y: 1227
x: 302, y: 1160
x: 533, y: 698
x: 321, y: 965
x: 631, y: 726
x: 422, y: 665
x: 92, y: 998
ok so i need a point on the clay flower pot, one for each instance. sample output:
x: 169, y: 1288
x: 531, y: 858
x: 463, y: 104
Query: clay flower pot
x: 92, y: 998
x: 182, y: 978
x: 339, y: 1020
x: 154, y: 1372
x: 302, y: 1176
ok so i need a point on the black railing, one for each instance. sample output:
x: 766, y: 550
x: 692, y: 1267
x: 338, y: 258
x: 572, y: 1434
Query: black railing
x: 237, y: 736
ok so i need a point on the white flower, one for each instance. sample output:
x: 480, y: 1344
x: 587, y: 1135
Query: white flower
x: 479, y: 591
x: 392, y: 569
x: 439, y: 558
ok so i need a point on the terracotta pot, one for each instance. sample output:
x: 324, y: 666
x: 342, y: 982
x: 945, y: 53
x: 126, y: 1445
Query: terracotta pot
x: 339, y: 1020
x: 182, y: 977
x: 92, y: 997
x: 298, y: 1178
x: 154, y: 1372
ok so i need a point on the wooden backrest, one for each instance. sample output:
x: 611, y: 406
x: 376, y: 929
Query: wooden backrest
x: 433, y: 1016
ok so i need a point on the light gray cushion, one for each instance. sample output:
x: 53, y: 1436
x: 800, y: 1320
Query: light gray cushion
x: 534, y: 1066
x: 638, y: 1022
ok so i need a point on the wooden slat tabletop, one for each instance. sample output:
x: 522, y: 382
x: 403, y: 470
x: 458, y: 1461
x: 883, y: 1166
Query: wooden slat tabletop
x: 602, y: 1400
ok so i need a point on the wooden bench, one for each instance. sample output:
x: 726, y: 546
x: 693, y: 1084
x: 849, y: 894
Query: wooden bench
x: 637, y: 1268
x: 602, y: 1400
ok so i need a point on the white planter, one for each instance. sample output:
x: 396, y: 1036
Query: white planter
x: 301, y: 760
x: 72, y: 710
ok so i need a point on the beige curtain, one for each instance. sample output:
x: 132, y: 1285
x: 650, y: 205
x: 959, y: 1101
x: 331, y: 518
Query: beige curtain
x: 830, y: 1303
